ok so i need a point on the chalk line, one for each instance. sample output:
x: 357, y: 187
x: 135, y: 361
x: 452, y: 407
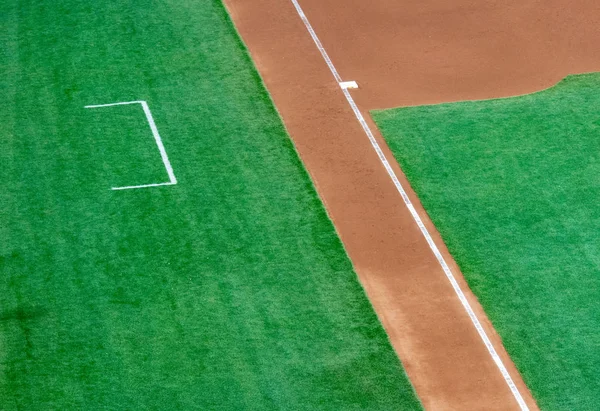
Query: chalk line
x: 157, y: 139
x: 415, y: 215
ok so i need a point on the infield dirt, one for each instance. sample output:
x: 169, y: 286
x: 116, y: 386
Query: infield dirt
x: 409, y: 53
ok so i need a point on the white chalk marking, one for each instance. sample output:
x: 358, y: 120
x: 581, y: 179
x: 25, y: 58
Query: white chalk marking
x: 157, y: 139
x: 143, y: 186
x: 415, y: 215
x: 348, y: 84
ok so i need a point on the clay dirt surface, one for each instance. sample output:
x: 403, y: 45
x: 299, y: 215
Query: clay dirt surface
x: 410, y: 53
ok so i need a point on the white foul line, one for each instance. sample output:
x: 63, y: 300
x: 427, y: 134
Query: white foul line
x: 415, y: 215
x: 159, y: 143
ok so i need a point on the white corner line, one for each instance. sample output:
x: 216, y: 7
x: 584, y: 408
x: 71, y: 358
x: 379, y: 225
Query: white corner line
x: 143, y: 186
x: 157, y: 139
x: 477, y: 324
x: 123, y: 103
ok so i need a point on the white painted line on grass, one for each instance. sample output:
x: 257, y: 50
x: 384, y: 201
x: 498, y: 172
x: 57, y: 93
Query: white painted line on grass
x: 143, y: 186
x: 157, y: 139
x: 415, y: 215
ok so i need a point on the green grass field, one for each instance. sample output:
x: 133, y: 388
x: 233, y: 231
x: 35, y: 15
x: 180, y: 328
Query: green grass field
x: 229, y: 290
x: 513, y: 185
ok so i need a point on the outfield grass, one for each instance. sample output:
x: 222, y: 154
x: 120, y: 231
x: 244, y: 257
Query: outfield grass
x: 229, y: 290
x: 513, y: 185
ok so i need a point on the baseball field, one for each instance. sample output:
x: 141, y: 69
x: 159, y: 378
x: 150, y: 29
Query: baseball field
x: 299, y: 205
x: 513, y: 187
x: 227, y: 290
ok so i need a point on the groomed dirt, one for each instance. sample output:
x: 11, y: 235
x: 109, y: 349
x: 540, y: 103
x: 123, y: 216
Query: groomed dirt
x: 409, y: 53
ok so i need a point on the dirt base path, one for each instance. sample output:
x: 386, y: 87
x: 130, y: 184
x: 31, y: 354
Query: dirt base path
x: 408, y: 53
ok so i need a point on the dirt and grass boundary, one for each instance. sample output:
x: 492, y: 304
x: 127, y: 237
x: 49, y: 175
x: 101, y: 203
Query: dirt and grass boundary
x: 403, y: 54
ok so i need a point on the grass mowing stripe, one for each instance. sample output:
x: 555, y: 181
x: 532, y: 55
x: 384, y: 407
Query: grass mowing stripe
x: 229, y: 290
x: 512, y: 186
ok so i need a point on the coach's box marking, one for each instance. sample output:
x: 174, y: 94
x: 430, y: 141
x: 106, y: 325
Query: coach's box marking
x: 348, y: 84
x: 159, y: 143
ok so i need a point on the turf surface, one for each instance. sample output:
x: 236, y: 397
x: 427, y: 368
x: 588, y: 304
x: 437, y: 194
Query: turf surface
x: 227, y: 291
x: 513, y: 185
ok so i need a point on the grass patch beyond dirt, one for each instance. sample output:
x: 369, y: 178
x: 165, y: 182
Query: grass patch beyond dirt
x: 513, y: 186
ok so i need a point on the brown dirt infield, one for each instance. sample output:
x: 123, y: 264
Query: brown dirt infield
x: 409, y: 53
